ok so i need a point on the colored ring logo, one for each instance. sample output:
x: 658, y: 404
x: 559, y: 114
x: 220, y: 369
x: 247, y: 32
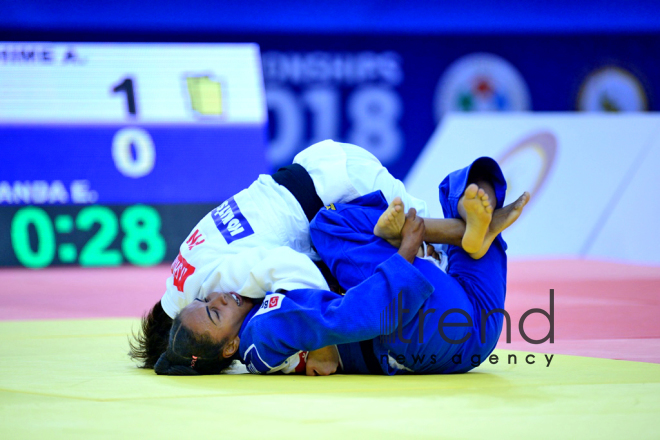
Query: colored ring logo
x: 481, y: 82
x: 528, y: 164
x: 612, y: 89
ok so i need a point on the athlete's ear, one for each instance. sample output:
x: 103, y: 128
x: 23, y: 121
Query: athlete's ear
x: 231, y: 347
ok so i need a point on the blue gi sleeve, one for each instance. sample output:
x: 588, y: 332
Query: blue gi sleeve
x: 311, y: 319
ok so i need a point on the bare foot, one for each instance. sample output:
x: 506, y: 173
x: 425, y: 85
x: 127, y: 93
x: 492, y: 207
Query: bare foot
x: 391, y: 222
x: 502, y: 219
x: 479, y: 213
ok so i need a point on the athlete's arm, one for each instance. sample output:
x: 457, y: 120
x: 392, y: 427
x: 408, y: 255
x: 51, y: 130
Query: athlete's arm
x: 311, y: 319
x: 325, y: 361
x: 344, y: 239
x: 412, y: 235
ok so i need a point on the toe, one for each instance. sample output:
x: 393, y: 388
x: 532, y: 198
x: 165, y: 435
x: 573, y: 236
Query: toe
x: 471, y: 191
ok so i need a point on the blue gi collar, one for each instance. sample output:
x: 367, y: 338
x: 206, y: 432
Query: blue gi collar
x: 248, y: 318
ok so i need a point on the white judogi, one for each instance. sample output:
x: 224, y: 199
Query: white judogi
x: 258, y: 240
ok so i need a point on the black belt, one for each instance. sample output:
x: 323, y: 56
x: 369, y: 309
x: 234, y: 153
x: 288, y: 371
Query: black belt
x: 369, y: 356
x: 297, y: 180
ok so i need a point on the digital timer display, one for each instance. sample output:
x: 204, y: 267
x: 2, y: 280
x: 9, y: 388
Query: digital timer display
x: 95, y: 235
x: 141, y: 243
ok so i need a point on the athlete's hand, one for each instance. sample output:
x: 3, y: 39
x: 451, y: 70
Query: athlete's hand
x: 412, y: 235
x: 431, y: 252
x: 322, y: 362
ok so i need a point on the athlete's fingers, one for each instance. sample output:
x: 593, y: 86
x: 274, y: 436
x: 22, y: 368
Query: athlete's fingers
x: 310, y: 370
x: 322, y: 362
x: 320, y: 369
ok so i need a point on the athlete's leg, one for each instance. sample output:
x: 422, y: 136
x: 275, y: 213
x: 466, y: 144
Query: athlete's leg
x: 343, y: 172
x: 367, y: 174
x: 452, y: 230
x: 480, y: 184
x: 502, y: 219
x: 484, y: 279
x: 475, y: 208
x: 343, y: 237
x: 439, y: 231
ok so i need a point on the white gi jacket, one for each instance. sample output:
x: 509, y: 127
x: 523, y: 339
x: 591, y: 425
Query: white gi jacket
x: 258, y: 240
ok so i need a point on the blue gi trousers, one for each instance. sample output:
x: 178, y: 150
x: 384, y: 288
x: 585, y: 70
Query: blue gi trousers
x: 343, y: 237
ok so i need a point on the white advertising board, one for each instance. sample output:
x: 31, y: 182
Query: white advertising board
x: 593, y: 179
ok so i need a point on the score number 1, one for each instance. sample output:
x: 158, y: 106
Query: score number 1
x: 126, y: 86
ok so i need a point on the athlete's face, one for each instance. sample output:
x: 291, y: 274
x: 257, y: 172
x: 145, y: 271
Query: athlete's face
x: 220, y: 315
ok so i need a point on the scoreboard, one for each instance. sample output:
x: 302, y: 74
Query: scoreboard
x: 112, y: 152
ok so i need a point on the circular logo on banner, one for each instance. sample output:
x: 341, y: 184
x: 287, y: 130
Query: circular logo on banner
x: 527, y: 164
x: 612, y: 89
x: 481, y: 82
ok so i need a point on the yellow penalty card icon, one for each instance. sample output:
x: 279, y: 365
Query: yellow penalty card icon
x: 205, y: 95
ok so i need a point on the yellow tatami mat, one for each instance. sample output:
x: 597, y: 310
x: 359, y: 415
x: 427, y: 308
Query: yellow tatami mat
x: 72, y: 379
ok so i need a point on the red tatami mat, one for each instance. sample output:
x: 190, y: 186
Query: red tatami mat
x: 601, y: 309
x: 64, y: 293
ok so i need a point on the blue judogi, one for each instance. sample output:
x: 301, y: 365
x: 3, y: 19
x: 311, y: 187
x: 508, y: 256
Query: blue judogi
x: 308, y: 319
x: 376, y: 276
x: 344, y: 239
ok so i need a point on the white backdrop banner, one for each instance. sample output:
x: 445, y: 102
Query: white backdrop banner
x: 593, y: 179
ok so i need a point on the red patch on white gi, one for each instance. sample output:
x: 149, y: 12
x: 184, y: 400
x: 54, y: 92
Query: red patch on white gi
x: 195, y: 238
x: 181, y: 270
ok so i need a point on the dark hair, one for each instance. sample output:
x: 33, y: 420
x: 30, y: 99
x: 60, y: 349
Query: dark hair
x: 151, y: 341
x: 189, y: 354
